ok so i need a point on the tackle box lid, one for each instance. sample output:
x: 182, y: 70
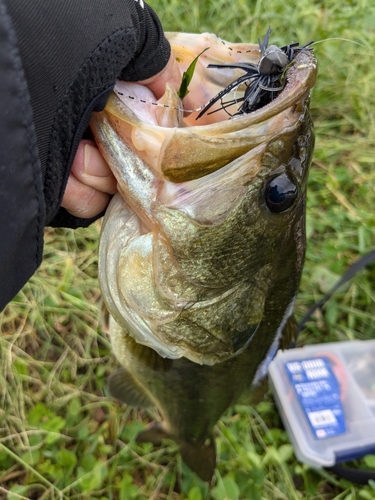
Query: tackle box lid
x: 325, y: 394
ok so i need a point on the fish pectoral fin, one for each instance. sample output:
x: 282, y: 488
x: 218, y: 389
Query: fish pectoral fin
x: 154, y: 433
x: 201, y: 458
x: 290, y: 333
x: 122, y: 386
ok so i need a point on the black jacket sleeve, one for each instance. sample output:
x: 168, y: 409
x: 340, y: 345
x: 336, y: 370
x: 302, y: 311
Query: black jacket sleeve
x: 59, y: 60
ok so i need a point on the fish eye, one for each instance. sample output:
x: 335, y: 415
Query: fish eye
x: 280, y: 194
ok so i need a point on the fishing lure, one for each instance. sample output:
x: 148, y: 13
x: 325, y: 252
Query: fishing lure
x: 263, y: 82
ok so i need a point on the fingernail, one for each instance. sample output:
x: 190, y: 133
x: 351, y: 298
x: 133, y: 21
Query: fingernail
x: 94, y: 164
x: 86, y: 159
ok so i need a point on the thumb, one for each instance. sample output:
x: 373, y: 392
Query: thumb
x: 170, y: 74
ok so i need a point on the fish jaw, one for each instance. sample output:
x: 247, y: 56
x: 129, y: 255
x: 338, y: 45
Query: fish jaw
x: 187, y: 261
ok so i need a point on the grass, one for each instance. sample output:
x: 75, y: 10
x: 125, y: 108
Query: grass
x: 61, y: 436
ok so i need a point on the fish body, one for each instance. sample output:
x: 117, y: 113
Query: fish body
x: 201, y: 252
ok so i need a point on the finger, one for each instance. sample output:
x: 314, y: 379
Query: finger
x: 170, y: 74
x: 83, y: 201
x: 90, y: 168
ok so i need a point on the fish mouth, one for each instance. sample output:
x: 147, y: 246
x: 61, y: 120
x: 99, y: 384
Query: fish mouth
x: 183, y: 261
x: 171, y: 150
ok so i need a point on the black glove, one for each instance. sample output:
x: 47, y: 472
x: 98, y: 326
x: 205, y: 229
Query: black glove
x: 72, y: 52
x: 62, y: 57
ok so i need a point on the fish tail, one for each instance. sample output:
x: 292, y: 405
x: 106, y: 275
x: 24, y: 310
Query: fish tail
x: 200, y: 457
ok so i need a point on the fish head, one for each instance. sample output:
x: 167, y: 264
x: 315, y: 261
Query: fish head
x: 206, y: 236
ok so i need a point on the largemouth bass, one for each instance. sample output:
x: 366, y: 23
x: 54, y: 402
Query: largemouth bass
x: 201, y: 252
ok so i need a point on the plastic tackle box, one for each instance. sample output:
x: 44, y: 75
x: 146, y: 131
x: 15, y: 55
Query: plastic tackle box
x: 326, y: 397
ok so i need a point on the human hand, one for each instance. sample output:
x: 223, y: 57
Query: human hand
x: 62, y: 61
x: 91, y: 182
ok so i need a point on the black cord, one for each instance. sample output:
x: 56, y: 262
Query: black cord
x: 357, y: 266
x: 357, y: 476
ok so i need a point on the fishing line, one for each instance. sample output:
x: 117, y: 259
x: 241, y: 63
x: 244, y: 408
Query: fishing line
x: 342, y: 40
x: 159, y: 104
x: 316, y: 42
